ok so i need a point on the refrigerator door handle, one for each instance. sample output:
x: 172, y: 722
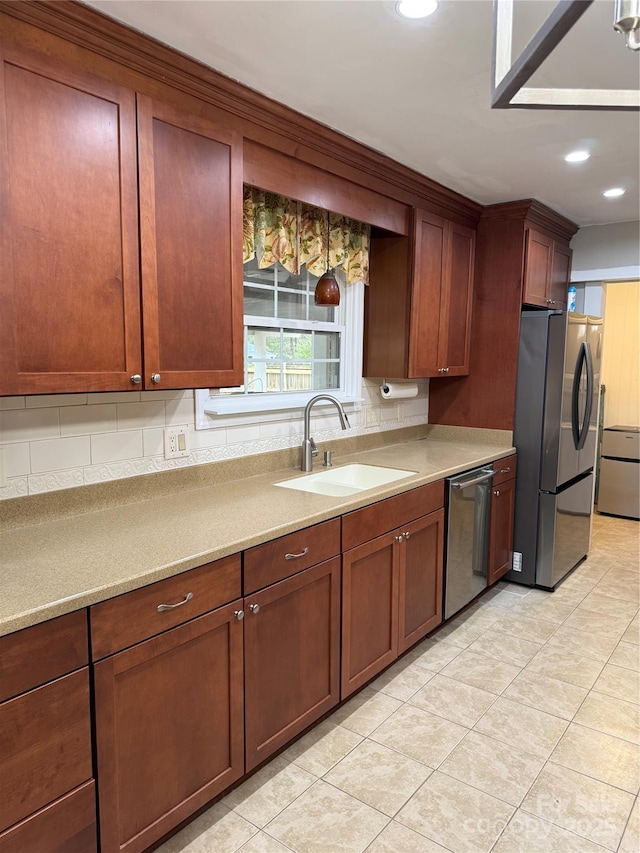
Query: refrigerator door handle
x: 579, y: 430
x: 589, y: 402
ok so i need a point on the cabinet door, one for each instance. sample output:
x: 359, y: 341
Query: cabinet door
x: 560, y: 275
x: 537, y: 268
x: 169, y: 728
x: 292, y: 657
x: 69, y: 286
x: 420, y: 596
x: 429, y: 271
x: 369, y: 610
x: 457, y: 299
x: 191, y: 246
x: 501, y: 531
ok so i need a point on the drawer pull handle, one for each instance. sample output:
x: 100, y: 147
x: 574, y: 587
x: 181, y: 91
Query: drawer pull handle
x: 295, y: 556
x: 162, y: 607
x: 505, y: 470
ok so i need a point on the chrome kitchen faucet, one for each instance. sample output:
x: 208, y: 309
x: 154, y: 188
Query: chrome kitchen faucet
x: 309, y: 449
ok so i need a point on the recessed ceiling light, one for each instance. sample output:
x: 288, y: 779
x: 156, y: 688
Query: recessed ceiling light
x: 416, y: 8
x: 614, y: 192
x: 577, y: 156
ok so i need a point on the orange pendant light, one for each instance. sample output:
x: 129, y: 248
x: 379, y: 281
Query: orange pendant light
x: 327, y: 289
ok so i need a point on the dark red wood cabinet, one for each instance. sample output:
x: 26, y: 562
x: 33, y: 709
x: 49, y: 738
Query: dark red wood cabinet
x: 291, y: 657
x: 418, y: 308
x: 547, y: 269
x: 392, y: 583
x: 77, y: 155
x: 503, y: 493
x: 47, y: 791
x: 169, y: 709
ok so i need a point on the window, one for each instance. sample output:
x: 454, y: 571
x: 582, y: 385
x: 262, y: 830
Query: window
x: 293, y: 349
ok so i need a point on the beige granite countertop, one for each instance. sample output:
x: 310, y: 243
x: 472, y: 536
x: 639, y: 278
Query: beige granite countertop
x: 56, y: 566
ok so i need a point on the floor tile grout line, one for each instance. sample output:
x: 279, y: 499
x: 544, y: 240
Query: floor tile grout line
x: 589, y: 776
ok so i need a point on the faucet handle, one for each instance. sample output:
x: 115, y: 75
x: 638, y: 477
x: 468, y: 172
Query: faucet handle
x: 314, y: 449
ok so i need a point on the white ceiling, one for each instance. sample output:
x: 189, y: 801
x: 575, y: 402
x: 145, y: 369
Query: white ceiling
x: 419, y: 91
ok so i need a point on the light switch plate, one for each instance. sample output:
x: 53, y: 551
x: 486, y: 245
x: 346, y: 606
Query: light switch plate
x: 176, y: 442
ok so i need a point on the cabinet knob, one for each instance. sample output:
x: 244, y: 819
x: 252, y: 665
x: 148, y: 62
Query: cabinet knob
x: 497, y: 492
x: 239, y: 614
x: 407, y: 535
x: 400, y: 537
x: 155, y: 378
x: 254, y: 608
x: 442, y: 370
x: 136, y: 379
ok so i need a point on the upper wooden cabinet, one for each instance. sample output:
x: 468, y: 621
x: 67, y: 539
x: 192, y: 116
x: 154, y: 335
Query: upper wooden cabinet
x: 547, y: 267
x: 70, y: 318
x: 69, y: 276
x: 522, y: 248
x: 418, y: 308
x: 191, y: 249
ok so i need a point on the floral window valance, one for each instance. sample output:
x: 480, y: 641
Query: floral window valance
x: 278, y: 229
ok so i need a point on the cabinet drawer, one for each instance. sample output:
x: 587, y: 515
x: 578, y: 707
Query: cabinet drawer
x: 45, y: 744
x: 506, y: 469
x: 273, y: 561
x: 134, y: 616
x: 66, y: 826
x: 371, y: 521
x: 35, y: 655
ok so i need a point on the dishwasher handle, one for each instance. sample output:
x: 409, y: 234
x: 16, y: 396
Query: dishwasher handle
x: 486, y: 476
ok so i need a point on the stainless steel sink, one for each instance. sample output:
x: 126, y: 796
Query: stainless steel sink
x: 345, y: 480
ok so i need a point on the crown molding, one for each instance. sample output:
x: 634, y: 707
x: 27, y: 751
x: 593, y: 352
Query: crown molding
x: 89, y: 29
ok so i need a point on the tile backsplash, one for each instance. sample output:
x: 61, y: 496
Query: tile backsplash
x: 59, y: 441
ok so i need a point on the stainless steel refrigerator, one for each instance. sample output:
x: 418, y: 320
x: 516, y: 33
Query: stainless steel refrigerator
x: 556, y: 425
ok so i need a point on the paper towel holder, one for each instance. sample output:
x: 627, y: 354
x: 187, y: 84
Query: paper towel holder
x: 398, y: 390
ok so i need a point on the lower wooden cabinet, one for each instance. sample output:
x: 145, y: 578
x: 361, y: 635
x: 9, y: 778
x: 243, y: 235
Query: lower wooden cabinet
x: 169, y: 728
x: 420, y: 594
x: 503, y: 495
x: 47, y: 797
x: 67, y: 825
x: 292, y: 657
x: 370, y: 584
x: 501, y: 531
x: 391, y: 596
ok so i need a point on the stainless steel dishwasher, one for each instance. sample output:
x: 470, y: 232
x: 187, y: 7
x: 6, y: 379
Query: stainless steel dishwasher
x: 468, y: 509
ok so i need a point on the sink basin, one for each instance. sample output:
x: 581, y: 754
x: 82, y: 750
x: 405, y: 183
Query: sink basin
x: 346, y: 480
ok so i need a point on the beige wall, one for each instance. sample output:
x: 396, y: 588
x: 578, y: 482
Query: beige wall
x: 621, y: 357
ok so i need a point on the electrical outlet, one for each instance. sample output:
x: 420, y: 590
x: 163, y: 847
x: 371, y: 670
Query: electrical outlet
x: 371, y: 417
x: 176, y: 442
x: 517, y: 561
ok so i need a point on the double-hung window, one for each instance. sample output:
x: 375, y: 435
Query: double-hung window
x: 293, y: 348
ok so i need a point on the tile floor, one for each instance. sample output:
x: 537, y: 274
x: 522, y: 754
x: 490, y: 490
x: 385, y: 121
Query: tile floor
x: 514, y: 730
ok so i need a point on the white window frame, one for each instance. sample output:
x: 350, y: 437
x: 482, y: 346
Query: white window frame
x: 213, y: 411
